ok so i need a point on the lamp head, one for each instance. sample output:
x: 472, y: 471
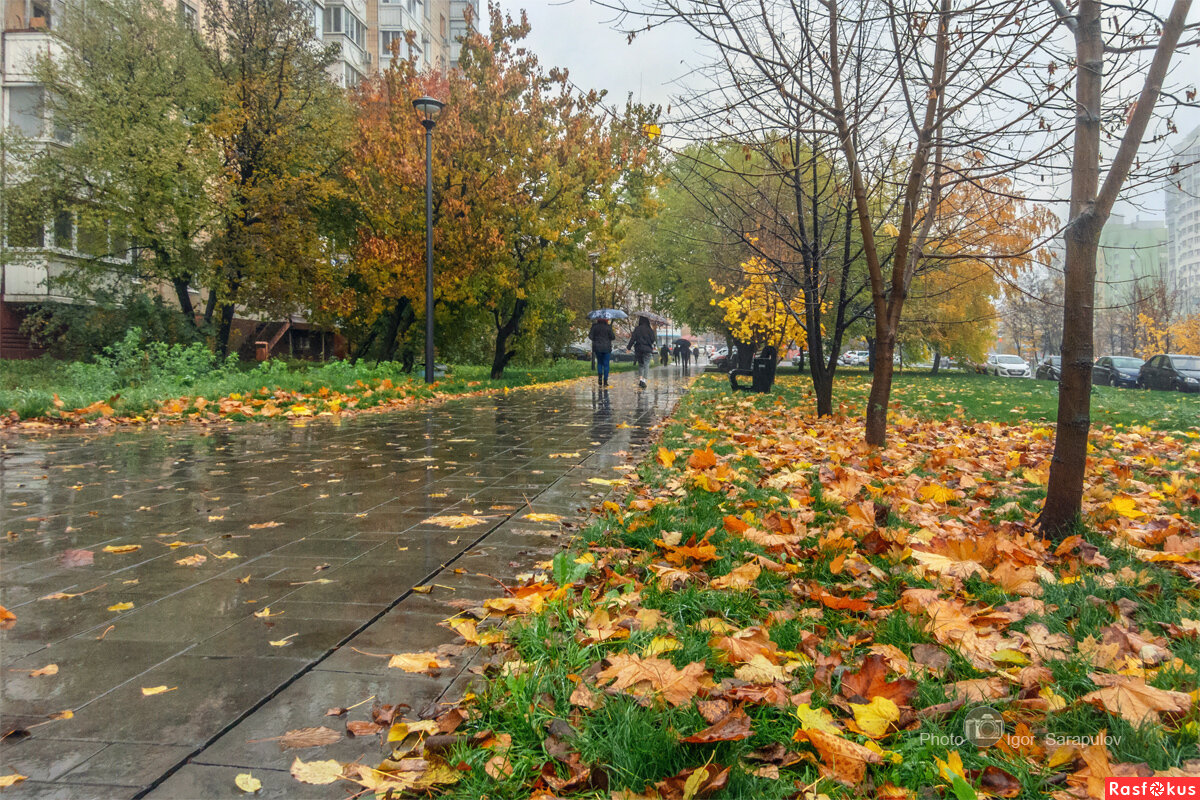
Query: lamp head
x: 428, y: 109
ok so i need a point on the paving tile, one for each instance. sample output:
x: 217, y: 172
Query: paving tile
x: 353, y: 500
x: 132, y: 765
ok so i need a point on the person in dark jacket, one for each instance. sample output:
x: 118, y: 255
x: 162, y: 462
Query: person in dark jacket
x: 602, y: 337
x: 664, y: 353
x: 685, y: 353
x: 642, y: 343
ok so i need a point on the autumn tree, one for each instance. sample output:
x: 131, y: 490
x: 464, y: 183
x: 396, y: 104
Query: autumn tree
x: 986, y: 239
x: 132, y: 100
x: 762, y: 313
x: 1136, y: 30
x: 896, y: 91
x: 534, y: 180
x: 281, y: 131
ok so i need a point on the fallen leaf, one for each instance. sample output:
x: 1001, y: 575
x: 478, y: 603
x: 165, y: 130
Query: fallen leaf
x: 1134, y: 700
x: 122, y: 548
x: 266, y: 612
x: 49, y: 669
x: 876, y: 718
x: 121, y: 606
x: 455, y: 521
x: 192, y: 561
x: 417, y: 662
x: 9, y: 780
x: 257, y: 526
x: 540, y: 517
x: 362, y: 728
x: 733, y: 727
x: 7, y: 618
x: 76, y: 558
x: 153, y: 690
x: 300, y: 738
x: 316, y: 772
x: 247, y: 783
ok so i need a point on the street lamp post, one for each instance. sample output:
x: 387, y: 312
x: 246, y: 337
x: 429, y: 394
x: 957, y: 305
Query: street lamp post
x: 428, y: 109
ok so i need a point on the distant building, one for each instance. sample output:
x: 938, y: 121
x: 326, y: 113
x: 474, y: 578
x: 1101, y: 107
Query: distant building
x: 1132, y: 259
x: 31, y: 256
x: 1183, y: 225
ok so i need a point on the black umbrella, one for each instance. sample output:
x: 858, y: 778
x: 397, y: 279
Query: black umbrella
x: 607, y: 313
x: 657, y: 319
x: 683, y: 342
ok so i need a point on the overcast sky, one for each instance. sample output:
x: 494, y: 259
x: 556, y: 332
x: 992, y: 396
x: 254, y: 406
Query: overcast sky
x: 580, y: 35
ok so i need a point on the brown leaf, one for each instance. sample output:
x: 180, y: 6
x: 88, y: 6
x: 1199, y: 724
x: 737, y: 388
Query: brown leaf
x: 362, y: 728
x: 76, y: 558
x: 49, y: 669
x: 7, y: 619
x: 871, y: 682
x: 733, y: 727
x: 843, y: 760
x: 704, y: 781
x: 655, y: 675
x: 1134, y: 700
x: 713, y: 710
x: 300, y: 738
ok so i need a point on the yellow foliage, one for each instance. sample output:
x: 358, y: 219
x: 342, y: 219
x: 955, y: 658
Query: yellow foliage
x: 759, y: 314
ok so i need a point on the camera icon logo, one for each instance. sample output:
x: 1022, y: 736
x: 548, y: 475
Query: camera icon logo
x: 983, y: 726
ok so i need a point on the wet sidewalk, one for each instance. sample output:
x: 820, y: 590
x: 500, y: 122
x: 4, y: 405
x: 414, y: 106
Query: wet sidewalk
x: 251, y: 577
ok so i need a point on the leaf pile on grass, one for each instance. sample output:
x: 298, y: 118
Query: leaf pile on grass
x: 777, y: 610
x: 332, y: 390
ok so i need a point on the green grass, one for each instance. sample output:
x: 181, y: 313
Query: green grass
x: 637, y: 744
x: 985, y: 397
x: 29, y: 387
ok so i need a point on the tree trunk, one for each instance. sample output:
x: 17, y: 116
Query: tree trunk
x: 937, y: 361
x: 503, y: 332
x: 185, y: 300
x: 398, y: 322
x: 225, y: 329
x: 1090, y: 209
x: 881, y: 390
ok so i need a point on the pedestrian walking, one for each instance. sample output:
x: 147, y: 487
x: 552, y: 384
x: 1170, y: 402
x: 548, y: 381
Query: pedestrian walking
x: 664, y: 354
x: 642, y: 343
x: 685, y: 353
x: 696, y: 355
x: 602, y: 337
x: 675, y: 354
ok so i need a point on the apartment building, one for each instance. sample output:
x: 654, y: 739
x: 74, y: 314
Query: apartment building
x: 1183, y: 225
x: 364, y: 30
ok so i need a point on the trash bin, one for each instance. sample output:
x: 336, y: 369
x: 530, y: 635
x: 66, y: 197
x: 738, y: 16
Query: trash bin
x: 761, y: 373
x: 262, y: 351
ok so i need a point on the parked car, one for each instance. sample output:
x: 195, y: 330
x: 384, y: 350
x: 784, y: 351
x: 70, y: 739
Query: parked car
x: 580, y: 352
x: 1050, y: 369
x: 854, y: 358
x: 1006, y: 366
x: 1172, y: 372
x: 1116, y: 371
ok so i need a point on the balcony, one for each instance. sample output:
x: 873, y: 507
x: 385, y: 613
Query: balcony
x: 21, y: 51
x: 28, y: 277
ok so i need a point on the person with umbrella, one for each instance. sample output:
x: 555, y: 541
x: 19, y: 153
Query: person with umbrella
x: 684, y: 347
x: 602, y: 337
x: 643, y: 345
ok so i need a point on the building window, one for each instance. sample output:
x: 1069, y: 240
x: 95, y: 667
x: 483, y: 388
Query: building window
x: 317, y: 21
x: 333, y: 19
x: 425, y: 50
x: 92, y: 237
x: 414, y: 7
x: 27, y: 110
x: 40, y: 16
x: 414, y: 51
x: 189, y: 15
x: 24, y: 228
x: 388, y: 39
x: 64, y: 230
x: 442, y: 25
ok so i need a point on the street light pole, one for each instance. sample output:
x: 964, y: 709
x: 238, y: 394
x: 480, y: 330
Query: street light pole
x: 428, y: 108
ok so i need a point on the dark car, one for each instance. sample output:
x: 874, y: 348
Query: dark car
x: 1050, y: 369
x: 1116, y: 371
x: 1171, y: 372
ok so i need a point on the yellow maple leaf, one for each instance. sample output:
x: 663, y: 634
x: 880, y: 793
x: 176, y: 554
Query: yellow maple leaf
x: 1125, y: 506
x: 876, y: 717
x: 816, y: 719
x: 936, y: 493
x: 120, y: 606
x: 666, y: 457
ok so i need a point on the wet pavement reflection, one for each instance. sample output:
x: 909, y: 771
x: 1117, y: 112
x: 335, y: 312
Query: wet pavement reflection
x: 226, y: 564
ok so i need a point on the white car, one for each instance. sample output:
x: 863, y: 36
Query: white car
x: 1007, y: 366
x: 855, y: 358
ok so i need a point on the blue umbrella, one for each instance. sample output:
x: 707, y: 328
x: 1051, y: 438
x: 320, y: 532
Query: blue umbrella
x: 607, y: 313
